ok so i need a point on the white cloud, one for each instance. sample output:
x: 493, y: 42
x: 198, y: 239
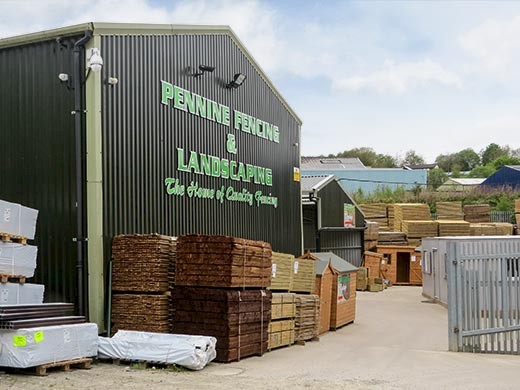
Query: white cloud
x: 495, y: 44
x: 398, y: 78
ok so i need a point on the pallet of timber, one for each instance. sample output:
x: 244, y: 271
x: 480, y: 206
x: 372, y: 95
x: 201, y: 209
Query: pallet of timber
x: 281, y: 333
x: 410, y: 212
x: 283, y: 306
x: 304, y: 274
x: 453, y: 228
x: 307, y: 318
x: 141, y: 312
x: 420, y: 229
x: 391, y: 216
x: 238, y: 319
x: 517, y: 211
x: 142, y: 262
x: 392, y: 238
x: 373, y: 210
x: 477, y: 213
x: 371, y: 231
x: 362, y: 279
x: 491, y: 229
x: 221, y: 261
x: 449, y: 210
x: 281, y: 271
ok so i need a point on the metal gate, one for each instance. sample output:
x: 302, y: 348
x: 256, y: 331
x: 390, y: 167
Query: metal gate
x: 484, y: 301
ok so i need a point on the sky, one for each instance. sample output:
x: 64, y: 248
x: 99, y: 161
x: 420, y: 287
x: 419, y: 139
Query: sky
x: 432, y: 76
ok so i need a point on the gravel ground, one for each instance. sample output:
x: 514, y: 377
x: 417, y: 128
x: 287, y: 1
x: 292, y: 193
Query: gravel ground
x: 399, y: 341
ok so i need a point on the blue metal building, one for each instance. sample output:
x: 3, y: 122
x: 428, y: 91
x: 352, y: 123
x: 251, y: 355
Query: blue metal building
x: 507, y: 176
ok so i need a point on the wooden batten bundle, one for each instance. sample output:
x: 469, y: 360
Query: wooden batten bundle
x: 410, y: 212
x: 281, y: 333
x: 307, y: 318
x: 142, y: 262
x: 477, y: 213
x: 449, y: 210
x: 221, y: 261
x: 419, y: 229
x: 392, y: 238
x: 373, y: 210
x: 453, y: 228
x: 281, y: 328
x: 491, y: 229
x: 304, y: 275
x: 282, y: 271
x: 371, y: 231
x: 141, y: 312
x: 239, y: 319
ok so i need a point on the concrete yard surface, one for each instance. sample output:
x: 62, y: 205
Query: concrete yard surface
x: 399, y: 341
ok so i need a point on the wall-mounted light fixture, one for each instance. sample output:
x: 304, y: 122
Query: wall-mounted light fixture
x: 64, y: 77
x: 203, y: 69
x: 94, y: 60
x: 237, y: 81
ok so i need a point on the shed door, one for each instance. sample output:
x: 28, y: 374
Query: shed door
x: 325, y: 302
x: 403, y: 267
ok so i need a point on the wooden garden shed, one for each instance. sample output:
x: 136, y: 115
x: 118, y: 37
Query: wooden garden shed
x: 323, y: 288
x: 400, y: 265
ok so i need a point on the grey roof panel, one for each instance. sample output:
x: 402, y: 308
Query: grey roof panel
x: 339, y: 264
x: 334, y: 163
x: 320, y: 266
x: 312, y: 182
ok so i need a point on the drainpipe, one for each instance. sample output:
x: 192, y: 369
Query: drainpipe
x: 317, y: 201
x: 79, y: 113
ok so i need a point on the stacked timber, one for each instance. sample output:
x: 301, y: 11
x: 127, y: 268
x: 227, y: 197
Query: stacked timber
x: 142, y: 262
x: 391, y: 216
x: 210, y: 296
x: 410, y: 212
x: 392, y: 238
x: 453, y: 228
x: 449, y: 210
x: 362, y: 278
x: 307, y: 318
x: 417, y: 230
x: 281, y: 271
x: 477, y: 213
x: 491, y: 229
x: 371, y: 235
x: 221, y: 261
x: 281, y: 327
x: 239, y: 319
x: 517, y: 211
x: 375, y: 212
x: 141, y: 312
x: 304, y: 274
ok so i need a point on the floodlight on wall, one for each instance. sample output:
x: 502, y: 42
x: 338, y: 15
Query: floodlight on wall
x: 94, y: 60
x: 203, y: 69
x: 237, y: 81
x: 64, y: 77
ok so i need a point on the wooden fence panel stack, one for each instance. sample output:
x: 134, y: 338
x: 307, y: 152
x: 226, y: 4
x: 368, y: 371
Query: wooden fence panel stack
x: 281, y: 271
x: 477, y: 213
x: 390, y: 212
x: 210, y: 296
x: 304, y: 275
x: 307, y: 317
x: 392, y: 238
x: 417, y: 230
x: 375, y: 212
x: 142, y: 268
x: 371, y: 235
x: 283, y: 312
x: 449, y: 210
x: 453, y: 228
x: 410, y: 212
x: 517, y: 211
x: 491, y: 229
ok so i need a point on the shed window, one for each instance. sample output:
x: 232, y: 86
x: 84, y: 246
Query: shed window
x: 427, y: 262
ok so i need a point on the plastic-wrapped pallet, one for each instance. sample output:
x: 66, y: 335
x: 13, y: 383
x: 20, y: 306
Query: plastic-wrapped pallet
x: 17, y: 259
x: 31, y: 347
x: 193, y: 352
x: 17, y: 220
x: 21, y: 294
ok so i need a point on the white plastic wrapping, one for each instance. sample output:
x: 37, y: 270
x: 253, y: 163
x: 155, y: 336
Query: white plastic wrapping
x: 31, y: 347
x: 17, y: 259
x: 17, y: 219
x: 21, y: 294
x: 193, y: 352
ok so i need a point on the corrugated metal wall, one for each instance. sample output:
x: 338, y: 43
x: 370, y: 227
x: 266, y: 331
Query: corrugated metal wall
x: 140, y: 137
x: 37, y: 155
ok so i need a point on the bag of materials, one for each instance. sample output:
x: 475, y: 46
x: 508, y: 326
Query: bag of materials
x: 17, y: 220
x: 21, y: 294
x: 17, y: 259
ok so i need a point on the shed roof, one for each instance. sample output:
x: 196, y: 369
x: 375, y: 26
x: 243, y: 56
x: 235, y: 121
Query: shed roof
x: 310, y: 183
x: 466, y: 181
x: 332, y: 163
x: 339, y: 264
x: 149, y: 29
x: 320, y: 266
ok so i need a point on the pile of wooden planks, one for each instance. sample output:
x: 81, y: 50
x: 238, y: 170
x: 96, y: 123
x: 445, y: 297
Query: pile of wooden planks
x: 307, y: 318
x: 281, y: 271
x: 239, y: 319
x: 449, y: 210
x: 142, y: 262
x: 375, y: 212
x: 141, y: 312
x: 221, y: 261
x: 392, y: 238
x: 410, y: 212
x: 283, y: 312
x: 453, y: 228
x: 417, y: 230
x: 517, y: 211
x: 304, y: 275
x: 391, y: 216
x: 143, y: 267
x: 477, y: 213
x: 362, y: 277
x: 371, y: 234
x: 491, y: 229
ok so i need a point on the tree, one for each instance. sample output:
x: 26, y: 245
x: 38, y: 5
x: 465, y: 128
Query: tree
x: 467, y: 159
x: 412, y: 158
x: 385, y: 161
x: 436, y: 177
x: 482, y: 171
x: 492, y: 152
x: 505, y: 160
x: 445, y: 161
x: 367, y: 155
